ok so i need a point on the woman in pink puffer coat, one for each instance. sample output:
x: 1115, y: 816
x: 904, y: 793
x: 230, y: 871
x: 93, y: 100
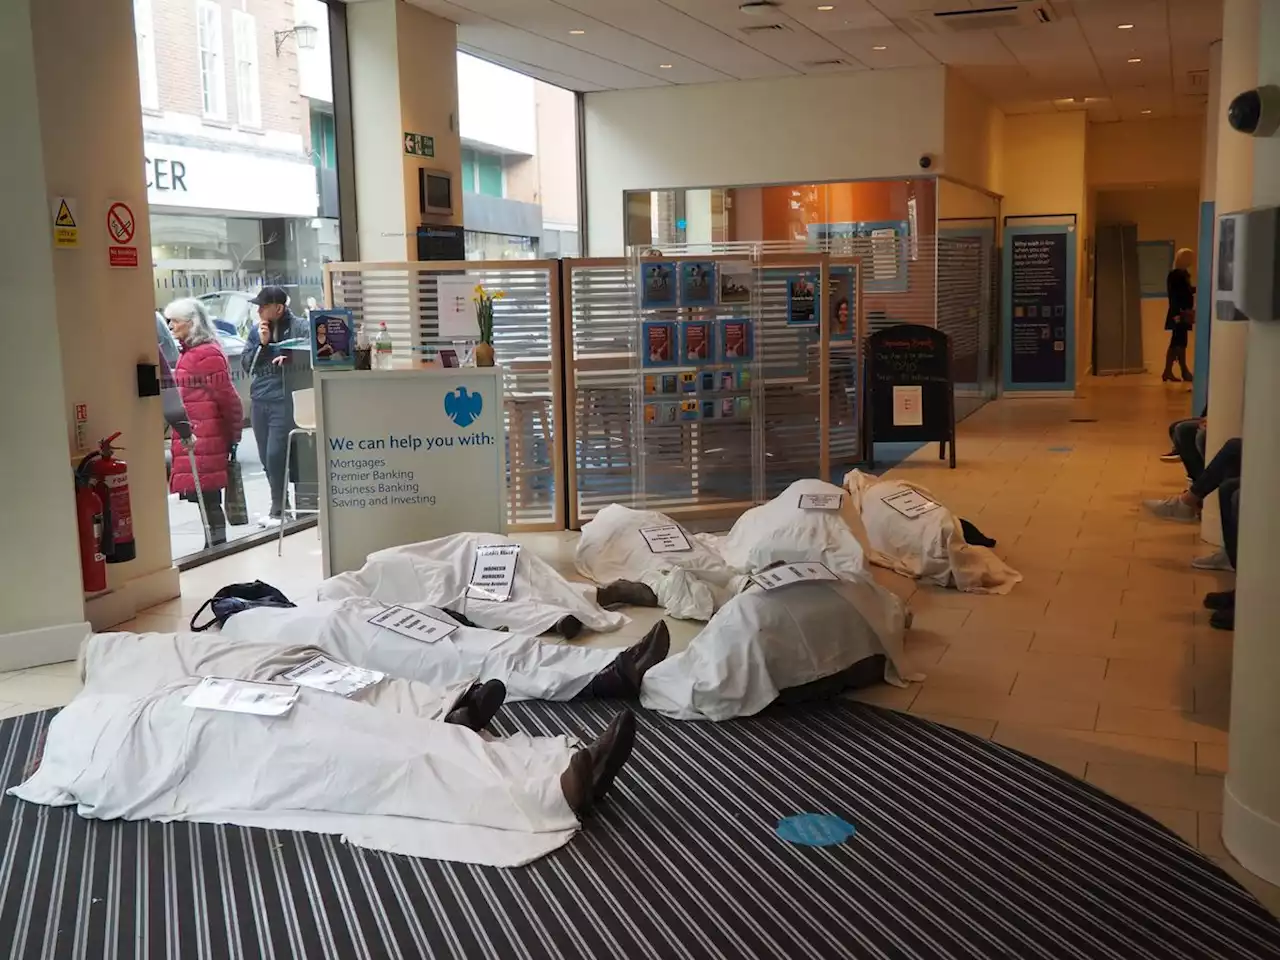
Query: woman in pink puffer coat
x: 213, y: 408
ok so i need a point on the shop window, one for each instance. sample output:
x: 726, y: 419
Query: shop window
x: 244, y: 37
x: 323, y: 140
x: 144, y: 34
x: 468, y: 171
x: 489, y: 175
x: 213, y: 82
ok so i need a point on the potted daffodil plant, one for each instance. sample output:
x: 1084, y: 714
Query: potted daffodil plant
x: 484, y: 301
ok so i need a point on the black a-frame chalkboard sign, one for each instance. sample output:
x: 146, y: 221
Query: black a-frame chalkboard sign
x: 909, y: 394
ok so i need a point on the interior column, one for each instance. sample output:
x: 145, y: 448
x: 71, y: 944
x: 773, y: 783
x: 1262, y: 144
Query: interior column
x: 40, y: 596
x: 404, y: 80
x: 1233, y: 191
x: 1251, y: 805
x: 1208, y: 218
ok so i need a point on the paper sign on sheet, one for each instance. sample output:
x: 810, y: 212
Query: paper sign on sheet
x: 821, y: 501
x: 911, y: 504
x: 457, y: 309
x: 243, y: 696
x: 494, y: 573
x: 332, y: 676
x: 668, y: 538
x: 908, y: 406
x: 793, y: 573
x: 412, y: 624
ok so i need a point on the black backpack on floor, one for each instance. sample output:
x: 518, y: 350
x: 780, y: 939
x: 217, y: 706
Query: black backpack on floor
x: 237, y: 597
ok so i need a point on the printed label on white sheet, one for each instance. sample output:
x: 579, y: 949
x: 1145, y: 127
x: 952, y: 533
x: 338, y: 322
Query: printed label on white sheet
x: 911, y: 503
x: 243, y: 696
x: 494, y: 573
x: 908, y: 406
x: 821, y: 501
x: 412, y: 624
x: 332, y: 676
x: 793, y: 573
x: 668, y: 538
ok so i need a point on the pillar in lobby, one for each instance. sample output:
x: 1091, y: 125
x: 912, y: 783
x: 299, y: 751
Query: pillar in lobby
x: 1251, y: 805
x: 1233, y: 191
x: 404, y: 80
x: 1208, y: 219
x: 101, y: 324
x: 40, y: 596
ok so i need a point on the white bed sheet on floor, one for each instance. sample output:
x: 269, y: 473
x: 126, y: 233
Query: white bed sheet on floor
x: 437, y: 573
x: 764, y: 641
x: 781, y: 531
x: 378, y: 775
x: 930, y: 547
x: 531, y: 668
x: 690, y: 585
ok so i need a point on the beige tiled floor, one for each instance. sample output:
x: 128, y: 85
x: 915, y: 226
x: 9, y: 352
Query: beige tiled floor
x: 1101, y: 662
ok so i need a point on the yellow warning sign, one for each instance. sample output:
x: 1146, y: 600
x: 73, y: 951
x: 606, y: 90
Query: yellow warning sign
x: 65, y: 231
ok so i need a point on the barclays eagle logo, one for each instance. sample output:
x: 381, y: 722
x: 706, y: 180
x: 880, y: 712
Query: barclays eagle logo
x: 463, y: 407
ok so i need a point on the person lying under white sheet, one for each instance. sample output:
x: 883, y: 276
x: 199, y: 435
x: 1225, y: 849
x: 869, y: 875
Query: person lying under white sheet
x: 810, y: 520
x: 253, y: 642
x: 913, y: 534
x: 805, y: 640
x: 439, y: 573
x: 646, y: 559
x: 376, y: 771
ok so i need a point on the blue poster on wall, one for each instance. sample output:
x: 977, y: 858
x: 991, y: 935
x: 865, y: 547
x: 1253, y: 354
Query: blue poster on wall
x: 1039, y: 308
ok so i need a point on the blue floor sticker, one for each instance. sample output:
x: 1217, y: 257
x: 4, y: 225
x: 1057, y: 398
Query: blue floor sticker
x: 815, y: 829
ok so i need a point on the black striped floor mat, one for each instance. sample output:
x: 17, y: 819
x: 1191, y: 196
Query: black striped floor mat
x: 963, y: 849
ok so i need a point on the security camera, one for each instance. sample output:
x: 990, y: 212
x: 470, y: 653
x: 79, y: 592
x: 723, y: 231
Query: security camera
x: 926, y: 162
x: 1256, y: 112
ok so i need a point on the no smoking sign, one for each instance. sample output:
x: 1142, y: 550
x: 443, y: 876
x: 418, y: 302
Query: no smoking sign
x: 121, y: 227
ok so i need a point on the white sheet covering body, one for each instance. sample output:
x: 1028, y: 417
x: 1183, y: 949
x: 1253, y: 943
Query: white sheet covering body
x: 381, y: 778
x: 532, y: 669
x: 764, y: 641
x: 930, y: 547
x: 781, y: 531
x: 690, y: 585
x: 437, y: 573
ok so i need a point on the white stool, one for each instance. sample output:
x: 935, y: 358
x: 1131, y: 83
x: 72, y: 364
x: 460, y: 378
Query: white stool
x: 304, y: 418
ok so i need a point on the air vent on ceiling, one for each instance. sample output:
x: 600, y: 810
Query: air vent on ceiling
x: 766, y: 28
x: 825, y: 64
x: 994, y: 16
x: 754, y: 8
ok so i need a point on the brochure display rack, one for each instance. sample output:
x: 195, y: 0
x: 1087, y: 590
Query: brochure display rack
x: 697, y: 384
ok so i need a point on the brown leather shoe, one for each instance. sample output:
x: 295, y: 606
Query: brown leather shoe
x: 477, y: 706
x: 626, y: 593
x: 610, y: 752
x: 621, y: 679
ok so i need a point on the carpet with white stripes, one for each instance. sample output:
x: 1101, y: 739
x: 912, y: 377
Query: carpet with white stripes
x: 963, y: 849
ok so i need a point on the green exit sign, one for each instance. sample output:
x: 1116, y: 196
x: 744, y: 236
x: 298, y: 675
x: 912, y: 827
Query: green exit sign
x: 419, y: 145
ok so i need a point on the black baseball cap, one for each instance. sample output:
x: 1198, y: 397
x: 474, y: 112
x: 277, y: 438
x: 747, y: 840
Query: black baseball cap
x: 270, y: 295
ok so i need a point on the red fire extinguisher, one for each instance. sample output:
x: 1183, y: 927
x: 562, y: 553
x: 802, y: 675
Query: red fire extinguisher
x: 91, y: 524
x: 111, y: 478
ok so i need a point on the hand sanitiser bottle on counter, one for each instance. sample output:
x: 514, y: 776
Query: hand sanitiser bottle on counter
x: 382, y: 349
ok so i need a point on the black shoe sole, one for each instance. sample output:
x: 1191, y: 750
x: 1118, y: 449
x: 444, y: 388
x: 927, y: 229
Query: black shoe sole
x: 624, y: 727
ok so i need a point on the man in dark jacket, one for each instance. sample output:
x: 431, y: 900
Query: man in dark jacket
x: 276, y: 372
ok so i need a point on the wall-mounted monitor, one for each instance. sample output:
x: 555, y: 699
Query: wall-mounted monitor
x: 435, y: 193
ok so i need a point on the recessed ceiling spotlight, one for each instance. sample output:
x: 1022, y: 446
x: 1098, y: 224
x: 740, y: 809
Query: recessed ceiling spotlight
x: 664, y: 66
x: 1125, y: 26
x: 1135, y: 59
x: 826, y: 7
x: 577, y: 33
x: 879, y: 48
x: 1145, y: 112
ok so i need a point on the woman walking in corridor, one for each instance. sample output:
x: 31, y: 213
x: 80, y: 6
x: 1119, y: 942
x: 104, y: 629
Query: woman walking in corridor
x: 213, y: 408
x: 1181, y: 316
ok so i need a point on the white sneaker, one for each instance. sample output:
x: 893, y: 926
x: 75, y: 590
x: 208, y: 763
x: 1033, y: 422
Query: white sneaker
x: 1173, y: 509
x: 268, y: 523
x: 1214, y: 561
x: 1171, y: 457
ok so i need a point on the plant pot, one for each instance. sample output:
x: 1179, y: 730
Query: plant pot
x: 484, y: 355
